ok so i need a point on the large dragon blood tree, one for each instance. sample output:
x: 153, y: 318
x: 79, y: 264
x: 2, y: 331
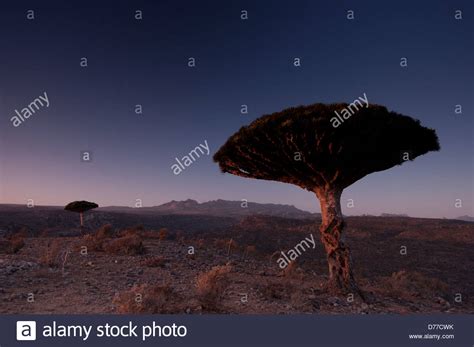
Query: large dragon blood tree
x: 300, y: 146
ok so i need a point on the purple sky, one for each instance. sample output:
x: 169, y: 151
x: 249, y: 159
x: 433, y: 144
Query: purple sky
x: 238, y: 62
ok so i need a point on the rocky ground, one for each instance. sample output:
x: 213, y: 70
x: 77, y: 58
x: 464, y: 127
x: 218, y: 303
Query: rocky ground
x: 401, y: 270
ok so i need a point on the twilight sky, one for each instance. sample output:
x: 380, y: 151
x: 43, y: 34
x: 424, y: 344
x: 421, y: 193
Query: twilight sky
x: 238, y: 62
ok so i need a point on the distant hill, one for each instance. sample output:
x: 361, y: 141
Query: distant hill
x: 222, y: 208
x: 394, y: 215
x: 466, y: 218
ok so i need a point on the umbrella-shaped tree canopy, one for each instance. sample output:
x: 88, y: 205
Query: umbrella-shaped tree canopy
x: 302, y: 146
x: 80, y: 207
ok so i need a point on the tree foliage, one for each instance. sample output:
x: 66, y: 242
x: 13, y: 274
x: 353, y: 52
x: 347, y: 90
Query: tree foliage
x: 80, y: 206
x: 300, y: 146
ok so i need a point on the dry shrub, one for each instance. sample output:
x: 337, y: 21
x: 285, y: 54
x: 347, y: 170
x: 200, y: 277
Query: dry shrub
x: 148, y: 299
x: 163, y: 234
x: 129, y: 242
x: 274, y: 290
x: 104, y: 232
x: 139, y: 228
x: 155, y: 261
x: 220, y: 243
x: 150, y: 234
x: 179, y: 236
x: 130, y: 232
x: 249, y: 250
x: 16, y: 244
x: 17, y: 240
x: 22, y: 233
x: 126, y: 245
x: 412, y: 283
x: 201, y: 243
x: 230, y: 246
x: 54, y: 255
x: 134, y: 230
x: 5, y: 246
x: 13, y: 243
x: 292, y: 271
x: 275, y: 255
x: 96, y: 241
x: 211, y: 285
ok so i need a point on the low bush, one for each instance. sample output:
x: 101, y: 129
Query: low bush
x: 148, y: 299
x: 55, y: 254
x: 155, y: 261
x: 163, y: 234
x: 415, y: 284
x: 96, y: 241
x: 13, y: 243
x: 126, y: 245
x: 211, y: 286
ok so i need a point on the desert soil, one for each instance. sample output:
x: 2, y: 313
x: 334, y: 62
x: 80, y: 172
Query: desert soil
x: 402, y: 267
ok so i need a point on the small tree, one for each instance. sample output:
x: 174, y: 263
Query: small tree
x: 300, y: 146
x: 80, y: 207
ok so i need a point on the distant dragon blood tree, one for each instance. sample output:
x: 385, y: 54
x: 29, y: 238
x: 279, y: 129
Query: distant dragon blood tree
x: 300, y: 146
x: 80, y: 207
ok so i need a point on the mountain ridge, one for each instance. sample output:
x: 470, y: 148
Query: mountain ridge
x: 218, y: 207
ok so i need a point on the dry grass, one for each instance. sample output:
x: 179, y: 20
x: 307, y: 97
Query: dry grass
x: 163, y: 234
x: 126, y: 245
x: 96, y: 241
x: 200, y: 243
x: 230, y: 245
x: 249, y: 250
x: 211, y: 286
x: 148, y: 299
x: 129, y: 241
x: 414, y: 284
x: 104, y: 232
x: 5, y: 246
x: 130, y: 232
x: 274, y: 290
x: 150, y: 234
x: 16, y: 244
x: 292, y: 271
x: 55, y: 254
x: 155, y: 261
x: 13, y: 243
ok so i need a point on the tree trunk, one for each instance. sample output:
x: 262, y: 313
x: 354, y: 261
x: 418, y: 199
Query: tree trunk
x: 341, y: 279
x: 82, y: 219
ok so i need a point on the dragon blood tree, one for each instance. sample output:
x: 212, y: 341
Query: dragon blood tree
x: 300, y: 146
x: 80, y: 207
